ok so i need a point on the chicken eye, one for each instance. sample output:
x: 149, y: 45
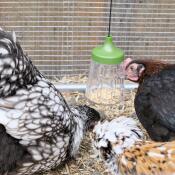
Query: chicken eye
x: 131, y: 67
x: 3, y: 52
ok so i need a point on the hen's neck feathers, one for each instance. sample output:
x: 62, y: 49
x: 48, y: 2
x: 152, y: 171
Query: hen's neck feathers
x: 152, y: 67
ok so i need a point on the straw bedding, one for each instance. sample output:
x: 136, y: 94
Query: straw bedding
x: 86, y: 163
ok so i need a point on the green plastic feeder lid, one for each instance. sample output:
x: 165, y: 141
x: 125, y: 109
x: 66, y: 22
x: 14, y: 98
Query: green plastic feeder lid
x: 108, y: 53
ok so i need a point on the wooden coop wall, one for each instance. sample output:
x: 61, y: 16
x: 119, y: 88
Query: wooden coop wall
x: 59, y: 34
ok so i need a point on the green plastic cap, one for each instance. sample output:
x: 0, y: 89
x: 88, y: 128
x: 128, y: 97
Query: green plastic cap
x: 108, y: 53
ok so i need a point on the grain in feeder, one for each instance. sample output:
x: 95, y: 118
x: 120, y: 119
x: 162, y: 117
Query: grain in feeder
x: 106, y: 79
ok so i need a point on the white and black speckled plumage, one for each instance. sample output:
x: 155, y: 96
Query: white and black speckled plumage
x: 111, y: 138
x: 16, y: 69
x: 42, y: 129
x: 121, y: 146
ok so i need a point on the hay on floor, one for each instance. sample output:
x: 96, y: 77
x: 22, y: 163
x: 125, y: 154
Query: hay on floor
x: 85, y: 163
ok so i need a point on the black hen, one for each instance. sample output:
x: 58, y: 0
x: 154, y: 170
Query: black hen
x: 155, y: 98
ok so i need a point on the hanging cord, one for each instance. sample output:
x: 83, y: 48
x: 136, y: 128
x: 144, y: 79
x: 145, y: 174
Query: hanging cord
x: 110, y: 16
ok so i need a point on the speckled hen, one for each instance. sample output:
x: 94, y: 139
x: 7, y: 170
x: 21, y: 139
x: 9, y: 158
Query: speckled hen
x: 121, y: 146
x: 38, y: 130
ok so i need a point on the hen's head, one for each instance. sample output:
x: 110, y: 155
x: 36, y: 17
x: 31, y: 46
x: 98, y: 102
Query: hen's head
x: 7, y: 43
x: 113, y: 137
x: 134, y: 69
x: 87, y: 116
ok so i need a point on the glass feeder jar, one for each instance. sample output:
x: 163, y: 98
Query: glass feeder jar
x: 106, y: 77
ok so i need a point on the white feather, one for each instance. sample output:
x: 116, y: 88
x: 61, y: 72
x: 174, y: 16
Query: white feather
x: 77, y: 137
x: 36, y: 154
x: 121, y: 133
x: 42, y: 84
x: 32, y: 126
x: 14, y: 114
x: 13, y: 124
x: 46, y: 91
x: 114, y: 131
x: 155, y: 155
x: 21, y: 105
x: 44, y: 112
x: 52, y: 95
x: 57, y: 99
x: 3, y: 51
x: 55, y: 108
x: 3, y: 117
x: 8, y: 71
x: 14, y: 36
x: 34, y: 95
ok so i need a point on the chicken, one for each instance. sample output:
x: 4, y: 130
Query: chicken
x: 38, y: 129
x: 155, y: 97
x: 111, y: 138
x: 121, y: 146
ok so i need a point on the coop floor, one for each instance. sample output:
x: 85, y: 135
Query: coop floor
x: 85, y: 163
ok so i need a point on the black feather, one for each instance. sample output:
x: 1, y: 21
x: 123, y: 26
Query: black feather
x: 12, y: 154
x: 155, y: 104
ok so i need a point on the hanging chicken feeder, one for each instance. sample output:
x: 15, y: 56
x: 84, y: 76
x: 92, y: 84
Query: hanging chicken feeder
x: 106, y: 78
